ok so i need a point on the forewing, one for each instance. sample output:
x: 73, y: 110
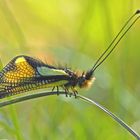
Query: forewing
x: 24, y: 73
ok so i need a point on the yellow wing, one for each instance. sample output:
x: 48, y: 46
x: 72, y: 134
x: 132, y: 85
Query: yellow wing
x: 24, y: 73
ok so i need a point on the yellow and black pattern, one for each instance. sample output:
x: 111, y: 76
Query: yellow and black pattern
x: 24, y: 73
x: 21, y: 70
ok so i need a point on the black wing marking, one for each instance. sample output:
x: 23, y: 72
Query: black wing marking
x: 28, y: 82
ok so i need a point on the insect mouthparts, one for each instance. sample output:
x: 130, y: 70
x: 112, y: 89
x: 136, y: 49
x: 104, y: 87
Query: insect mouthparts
x: 89, y: 75
x: 86, y: 80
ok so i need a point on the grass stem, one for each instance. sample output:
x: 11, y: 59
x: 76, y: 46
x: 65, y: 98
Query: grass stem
x: 42, y: 94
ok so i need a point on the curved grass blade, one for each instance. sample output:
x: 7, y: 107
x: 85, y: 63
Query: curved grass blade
x: 117, y: 119
x: 42, y: 94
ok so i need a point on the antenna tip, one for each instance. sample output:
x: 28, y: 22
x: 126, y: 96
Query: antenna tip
x: 137, y: 12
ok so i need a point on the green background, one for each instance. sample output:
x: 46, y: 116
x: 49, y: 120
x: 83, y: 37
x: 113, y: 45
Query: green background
x: 73, y: 32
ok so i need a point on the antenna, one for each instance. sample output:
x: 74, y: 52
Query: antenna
x: 111, y: 47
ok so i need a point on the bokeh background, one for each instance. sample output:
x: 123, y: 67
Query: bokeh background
x: 73, y: 32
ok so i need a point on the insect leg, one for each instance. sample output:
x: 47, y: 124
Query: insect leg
x: 57, y: 90
x: 75, y: 92
x: 53, y: 88
x: 66, y: 90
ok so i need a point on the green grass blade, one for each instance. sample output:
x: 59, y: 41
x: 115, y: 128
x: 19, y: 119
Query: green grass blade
x: 42, y: 94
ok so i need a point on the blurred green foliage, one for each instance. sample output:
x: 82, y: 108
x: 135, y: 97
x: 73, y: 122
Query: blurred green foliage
x: 74, y: 33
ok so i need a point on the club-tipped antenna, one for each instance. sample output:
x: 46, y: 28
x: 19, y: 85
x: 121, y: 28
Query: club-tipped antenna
x: 107, y: 52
